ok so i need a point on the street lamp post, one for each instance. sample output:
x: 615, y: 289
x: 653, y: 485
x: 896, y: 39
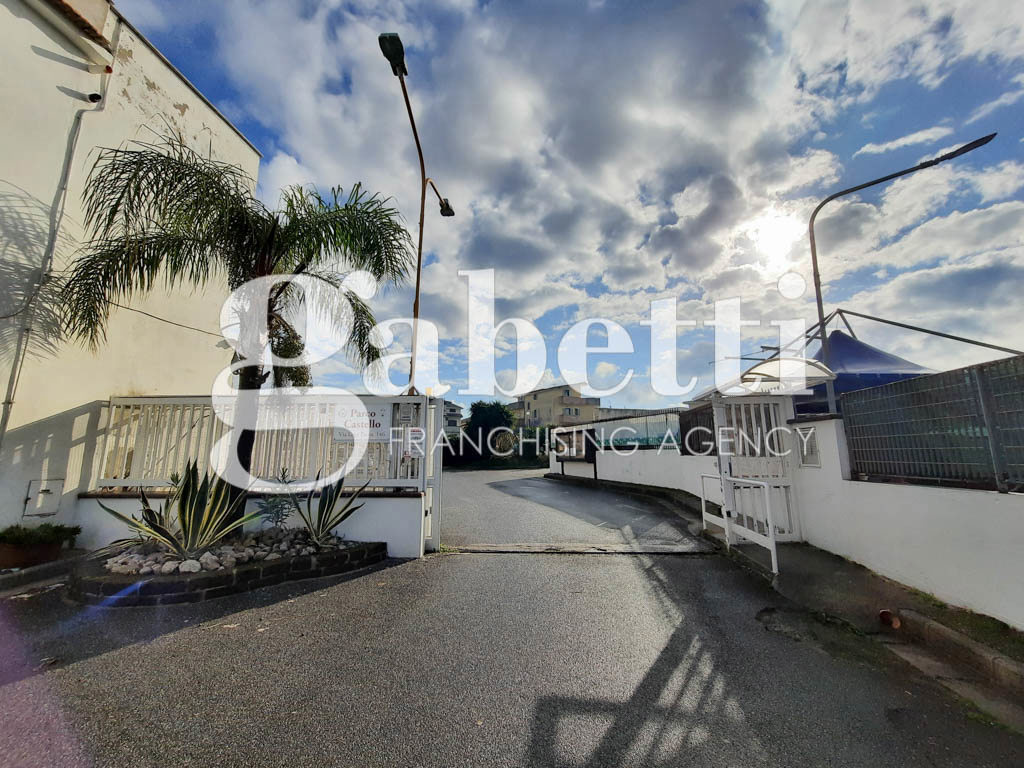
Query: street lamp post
x: 393, y: 50
x: 829, y: 388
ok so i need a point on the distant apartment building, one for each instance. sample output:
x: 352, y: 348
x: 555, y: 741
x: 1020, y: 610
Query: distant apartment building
x: 561, y: 406
x: 452, y: 417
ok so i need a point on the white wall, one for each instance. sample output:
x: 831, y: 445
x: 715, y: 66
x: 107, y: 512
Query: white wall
x: 576, y: 468
x: 56, y: 416
x: 963, y: 546
x: 665, y: 469
x: 397, y: 521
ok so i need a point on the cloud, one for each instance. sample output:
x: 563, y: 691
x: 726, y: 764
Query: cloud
x: 1005, y: 100
x: 280, y: 171
x: 926, y: 136
x: 594, y: 183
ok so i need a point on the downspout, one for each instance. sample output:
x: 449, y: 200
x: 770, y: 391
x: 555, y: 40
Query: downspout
x: 56, y: 218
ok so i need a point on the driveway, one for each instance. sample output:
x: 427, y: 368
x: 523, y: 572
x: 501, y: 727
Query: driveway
x: 521, y: 507
x: 477, y: 660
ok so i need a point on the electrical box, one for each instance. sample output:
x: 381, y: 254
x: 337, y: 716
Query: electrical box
x: 43, y: 498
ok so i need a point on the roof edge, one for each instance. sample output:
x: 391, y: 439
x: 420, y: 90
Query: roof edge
x: 185, y: 80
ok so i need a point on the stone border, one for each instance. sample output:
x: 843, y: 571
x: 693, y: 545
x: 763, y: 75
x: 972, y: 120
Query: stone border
x: 94, y: 585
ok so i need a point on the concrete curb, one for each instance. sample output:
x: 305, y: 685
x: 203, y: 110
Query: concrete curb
x: 1003, y: 671
x: 40, y: 572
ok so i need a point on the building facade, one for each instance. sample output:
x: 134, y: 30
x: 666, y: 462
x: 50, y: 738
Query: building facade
x: 80, y: 78
x: 559, y: 406
x: 452, y: 417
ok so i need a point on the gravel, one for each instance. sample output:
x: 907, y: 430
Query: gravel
x: 267, y: 544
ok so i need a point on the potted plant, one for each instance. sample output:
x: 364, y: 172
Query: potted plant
x: 21, y: 546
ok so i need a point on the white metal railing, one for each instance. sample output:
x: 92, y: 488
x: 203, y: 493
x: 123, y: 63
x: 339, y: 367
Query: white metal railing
x: 752, y: 527
x: 149, y: 439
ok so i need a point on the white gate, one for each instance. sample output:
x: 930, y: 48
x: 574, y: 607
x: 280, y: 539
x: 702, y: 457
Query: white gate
x: 755, y: 459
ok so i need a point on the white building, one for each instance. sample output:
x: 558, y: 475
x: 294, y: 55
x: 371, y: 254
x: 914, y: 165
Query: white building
x: 79, y: 77
x: 452, y: 417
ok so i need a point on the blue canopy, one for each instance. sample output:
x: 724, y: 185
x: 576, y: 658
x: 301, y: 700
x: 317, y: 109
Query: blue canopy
x: 857, y: 366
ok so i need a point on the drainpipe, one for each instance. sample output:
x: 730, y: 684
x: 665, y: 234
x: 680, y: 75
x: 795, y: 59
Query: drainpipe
x: 28, y: 309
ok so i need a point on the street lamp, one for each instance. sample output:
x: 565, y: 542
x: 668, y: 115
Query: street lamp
x: 829, y: 387
x: 393, y: 50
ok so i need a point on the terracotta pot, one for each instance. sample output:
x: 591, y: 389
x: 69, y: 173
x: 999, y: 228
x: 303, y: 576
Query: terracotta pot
x: 23, y: 557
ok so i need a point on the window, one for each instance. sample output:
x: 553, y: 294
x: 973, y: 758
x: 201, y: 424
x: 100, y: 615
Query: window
x: 576, y: 411
x: 565, y: 392
x: 566, y: 411
x: 807, y: 444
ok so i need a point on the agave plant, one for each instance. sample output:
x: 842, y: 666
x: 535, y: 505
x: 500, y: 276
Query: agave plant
x: 328, y: 515
x: 195, y: 517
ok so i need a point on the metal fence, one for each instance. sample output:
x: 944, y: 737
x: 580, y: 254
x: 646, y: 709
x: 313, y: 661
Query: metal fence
x: 149, y: 439
x: 962, y: 427
x: 667, y: 427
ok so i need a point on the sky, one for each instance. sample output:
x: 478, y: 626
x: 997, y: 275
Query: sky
x: 602, y: 155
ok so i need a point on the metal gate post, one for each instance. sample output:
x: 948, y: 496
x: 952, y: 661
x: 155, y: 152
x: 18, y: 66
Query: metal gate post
x: 724, y: 462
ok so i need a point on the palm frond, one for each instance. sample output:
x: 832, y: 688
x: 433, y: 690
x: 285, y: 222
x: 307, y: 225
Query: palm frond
x: 159, y: 209
x: 360, y: 231
x: 113, y: 269
x: 132, y: 187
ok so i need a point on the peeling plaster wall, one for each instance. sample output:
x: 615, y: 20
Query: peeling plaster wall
x: 56, y: 417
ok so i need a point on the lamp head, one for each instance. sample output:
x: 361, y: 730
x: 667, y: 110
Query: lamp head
x: 393, y: 50
x: 446, y: 208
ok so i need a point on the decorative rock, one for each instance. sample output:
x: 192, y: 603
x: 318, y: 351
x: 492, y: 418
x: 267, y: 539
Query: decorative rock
x: 190, y: 566
x: 270, y: 543
x: 209, y: 562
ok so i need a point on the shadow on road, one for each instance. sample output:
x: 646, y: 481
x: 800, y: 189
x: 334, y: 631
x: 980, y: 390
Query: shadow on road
x: 679, y: 706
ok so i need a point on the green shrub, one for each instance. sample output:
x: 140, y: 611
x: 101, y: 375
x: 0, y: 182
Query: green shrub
x: 23, y: 537
x: 275, y: 509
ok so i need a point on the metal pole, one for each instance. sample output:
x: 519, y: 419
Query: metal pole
x: 419, y: 243
x: 933, y: 333
x: 829, y: 389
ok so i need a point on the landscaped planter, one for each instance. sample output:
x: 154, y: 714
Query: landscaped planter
x: 94, y: 585
x: 23, y: 546
x: 25, y: 557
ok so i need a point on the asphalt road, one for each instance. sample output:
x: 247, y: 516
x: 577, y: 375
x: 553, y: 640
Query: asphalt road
x: 521, y: 507
x: 476, y: 660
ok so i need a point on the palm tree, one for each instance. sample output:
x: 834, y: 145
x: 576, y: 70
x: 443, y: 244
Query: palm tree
x: 163, y: 210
